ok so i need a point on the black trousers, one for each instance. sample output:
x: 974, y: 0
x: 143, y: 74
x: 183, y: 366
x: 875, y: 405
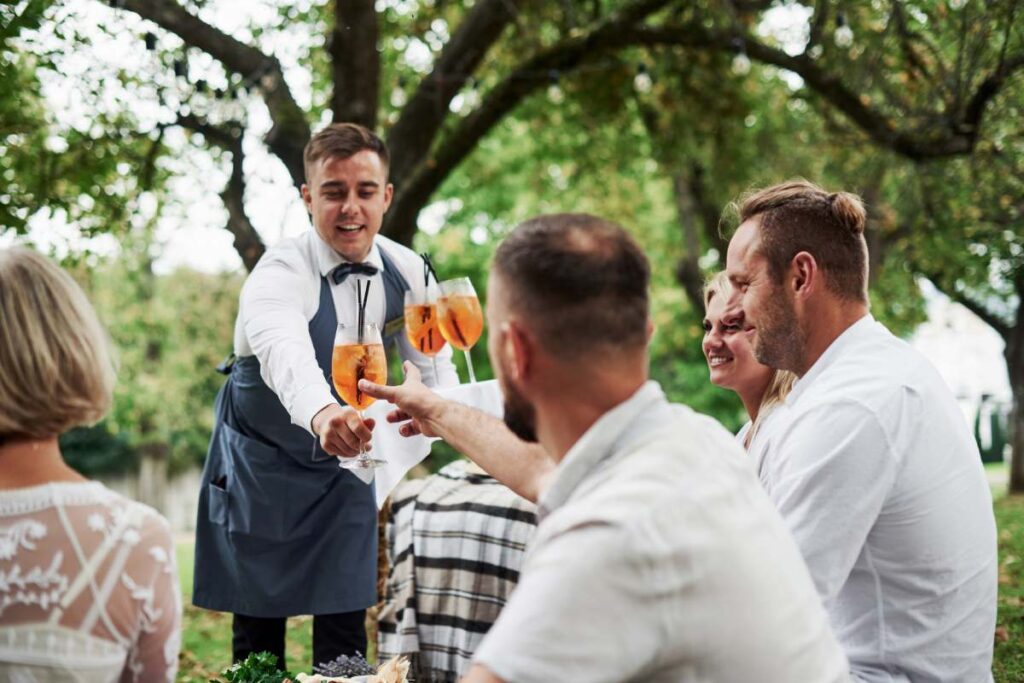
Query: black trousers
x: 333, y: 635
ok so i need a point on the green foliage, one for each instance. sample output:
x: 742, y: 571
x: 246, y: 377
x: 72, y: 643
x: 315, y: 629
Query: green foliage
x: 259, y: 667
x: 96, y: 450
x: 586, y: 140
x: 169, y: 332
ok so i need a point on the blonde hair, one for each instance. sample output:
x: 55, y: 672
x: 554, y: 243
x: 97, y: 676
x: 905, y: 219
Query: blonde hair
x: 781, y: 382
x: 55, y: 364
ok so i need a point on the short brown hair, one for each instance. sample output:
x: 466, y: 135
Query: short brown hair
x: 580, y: 281
x: 55, y: 367
x: 800, y: 216
x: 342, y: 140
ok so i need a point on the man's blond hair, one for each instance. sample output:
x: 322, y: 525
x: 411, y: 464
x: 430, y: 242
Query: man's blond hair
x: 55, y: 364
x: 798, y: 215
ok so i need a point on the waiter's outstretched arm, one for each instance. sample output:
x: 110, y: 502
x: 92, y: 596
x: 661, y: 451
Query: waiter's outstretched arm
x: 523, y: 467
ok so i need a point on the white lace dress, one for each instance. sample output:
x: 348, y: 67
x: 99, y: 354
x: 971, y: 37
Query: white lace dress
x: 88, y: 587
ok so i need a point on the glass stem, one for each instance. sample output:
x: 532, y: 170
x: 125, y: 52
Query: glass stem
x: 433, y: 361
x: 362, y: 449
x: 469, y: 366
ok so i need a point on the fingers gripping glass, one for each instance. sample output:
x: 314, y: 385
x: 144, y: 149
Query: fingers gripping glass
x: 358, y: 354
x: 460, y: 317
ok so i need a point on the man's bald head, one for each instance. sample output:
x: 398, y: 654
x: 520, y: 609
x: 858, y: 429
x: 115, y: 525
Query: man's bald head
x: 578, y: 282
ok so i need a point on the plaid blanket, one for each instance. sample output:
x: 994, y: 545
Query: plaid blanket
x: 456, y: 542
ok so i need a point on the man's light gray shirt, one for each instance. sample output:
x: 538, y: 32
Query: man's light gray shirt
x: 658, y: 558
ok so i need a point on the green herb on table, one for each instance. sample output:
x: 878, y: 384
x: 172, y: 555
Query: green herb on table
x: 259, y: 667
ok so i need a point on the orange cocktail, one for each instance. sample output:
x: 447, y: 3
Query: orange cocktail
x: 358, y: 354
x: 353, y: 362
x: 461, y: 320
x: 421, y: 326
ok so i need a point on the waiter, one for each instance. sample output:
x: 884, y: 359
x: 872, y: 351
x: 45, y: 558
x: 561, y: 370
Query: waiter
x: 282, y: 530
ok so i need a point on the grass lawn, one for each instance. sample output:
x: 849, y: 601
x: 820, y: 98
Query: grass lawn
x: 1009, y: 655
x: 206, y: 640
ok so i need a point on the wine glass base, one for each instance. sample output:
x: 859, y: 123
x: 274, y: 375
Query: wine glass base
x: 360, y: 463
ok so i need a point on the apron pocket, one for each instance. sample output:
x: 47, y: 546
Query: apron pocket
x: 264, y: 494
x: 218, y: 504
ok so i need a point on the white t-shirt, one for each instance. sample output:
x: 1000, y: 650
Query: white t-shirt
x: 874, y: 470
x: 281, y: 296
x: 658, y: 558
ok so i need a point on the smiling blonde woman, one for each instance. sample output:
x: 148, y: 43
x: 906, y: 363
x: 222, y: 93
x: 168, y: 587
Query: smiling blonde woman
x: 88, y: 586
x: 731, y: 363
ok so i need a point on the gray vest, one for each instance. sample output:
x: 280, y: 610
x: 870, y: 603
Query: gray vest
x: 282, y: 530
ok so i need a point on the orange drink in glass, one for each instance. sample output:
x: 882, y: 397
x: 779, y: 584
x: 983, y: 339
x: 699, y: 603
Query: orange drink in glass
x: 358, y: 354
x: 460, y: 317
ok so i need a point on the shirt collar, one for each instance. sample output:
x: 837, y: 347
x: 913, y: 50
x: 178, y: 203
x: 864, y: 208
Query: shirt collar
x: 607, y: 437
x: 327, y: 259
x: 849, y: 336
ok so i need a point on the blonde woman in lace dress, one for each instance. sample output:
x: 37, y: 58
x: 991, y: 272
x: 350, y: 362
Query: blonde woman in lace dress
x: 88, y: 586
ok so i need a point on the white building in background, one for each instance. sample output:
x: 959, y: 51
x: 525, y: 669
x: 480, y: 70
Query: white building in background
x: 969, y: 356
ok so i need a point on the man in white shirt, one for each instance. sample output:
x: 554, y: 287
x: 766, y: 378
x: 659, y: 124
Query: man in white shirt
x: 870, y: 461
x: 657, y: 558
x: 282, y: 530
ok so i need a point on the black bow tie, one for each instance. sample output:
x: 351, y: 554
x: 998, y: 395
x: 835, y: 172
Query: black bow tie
x: 339, y: 274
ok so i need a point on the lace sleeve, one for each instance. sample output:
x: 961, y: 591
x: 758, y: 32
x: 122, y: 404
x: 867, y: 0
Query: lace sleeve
x: 151, y: 579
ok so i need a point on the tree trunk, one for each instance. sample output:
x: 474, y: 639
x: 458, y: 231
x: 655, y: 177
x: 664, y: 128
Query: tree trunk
x: 355, y: 63
x: 688, y: 272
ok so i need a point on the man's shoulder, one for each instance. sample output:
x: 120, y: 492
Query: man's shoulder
x: 871, y: 373
x: 682, y: 464
x: 292, y: 253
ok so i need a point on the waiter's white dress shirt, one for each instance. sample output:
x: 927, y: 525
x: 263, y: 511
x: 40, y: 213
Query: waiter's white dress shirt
x: 874, y: 469
x: 281, y: 296
x: 659, y: 559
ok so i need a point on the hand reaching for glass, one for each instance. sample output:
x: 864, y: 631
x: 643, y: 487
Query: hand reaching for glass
x: 416, y: 404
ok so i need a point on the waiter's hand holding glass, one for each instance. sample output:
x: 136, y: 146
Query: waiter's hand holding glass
x: 358, y: 354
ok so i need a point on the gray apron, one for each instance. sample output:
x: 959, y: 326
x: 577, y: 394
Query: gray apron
x: 281, y: 529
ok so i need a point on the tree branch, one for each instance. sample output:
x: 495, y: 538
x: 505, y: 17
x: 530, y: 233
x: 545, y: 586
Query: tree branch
x: 906, y: 39
x: 687, y: 271
x: 415, y: 191
x: 818, y: 22
x: 147, y: 173
x: 958, y: 138
x: 414, y: 133
x: 988, y: 89
x: 989, y: 318
x: 290, y: 131
x: 355, y: 62
x: 247, y: 241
